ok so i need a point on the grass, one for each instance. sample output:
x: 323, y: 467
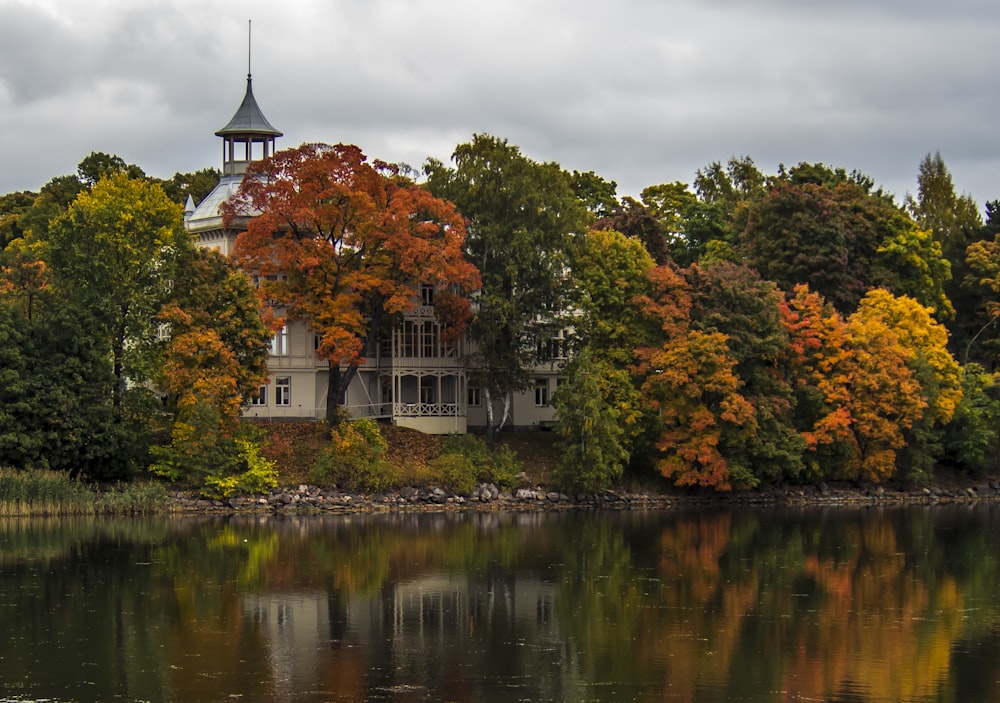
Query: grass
x: 25, y: 493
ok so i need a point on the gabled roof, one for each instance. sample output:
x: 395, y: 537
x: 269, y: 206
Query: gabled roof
x: 248, y: 120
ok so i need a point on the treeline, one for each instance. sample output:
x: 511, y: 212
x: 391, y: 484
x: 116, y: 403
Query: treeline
x: 123, y: 347
x: 744, y: 329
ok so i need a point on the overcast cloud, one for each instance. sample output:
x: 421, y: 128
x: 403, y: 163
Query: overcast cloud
x: 639, y: 91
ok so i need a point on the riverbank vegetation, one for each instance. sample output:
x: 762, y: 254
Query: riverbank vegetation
x: 55, y: 493
x: 747, y: 330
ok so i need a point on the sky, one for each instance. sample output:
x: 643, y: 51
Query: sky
x: 640, y: 92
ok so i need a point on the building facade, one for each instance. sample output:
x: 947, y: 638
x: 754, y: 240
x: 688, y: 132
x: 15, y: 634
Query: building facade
x: 415, y: 379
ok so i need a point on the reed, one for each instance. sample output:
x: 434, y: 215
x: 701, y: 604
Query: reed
x: 54, y: 493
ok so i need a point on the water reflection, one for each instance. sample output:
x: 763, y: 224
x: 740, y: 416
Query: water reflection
x: 879, y: 606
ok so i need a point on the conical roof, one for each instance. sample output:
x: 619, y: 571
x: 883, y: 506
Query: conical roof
x: 248, y: 120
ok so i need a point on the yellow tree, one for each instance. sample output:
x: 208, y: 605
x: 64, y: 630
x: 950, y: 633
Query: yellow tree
x: 933, y: 368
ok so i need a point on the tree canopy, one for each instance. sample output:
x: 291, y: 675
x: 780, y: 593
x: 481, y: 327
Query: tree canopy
x: 342, y: 243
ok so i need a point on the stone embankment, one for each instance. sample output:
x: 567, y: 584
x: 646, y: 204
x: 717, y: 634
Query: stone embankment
x: 312, y: 499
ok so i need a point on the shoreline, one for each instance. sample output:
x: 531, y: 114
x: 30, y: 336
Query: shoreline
x: 308, y: 499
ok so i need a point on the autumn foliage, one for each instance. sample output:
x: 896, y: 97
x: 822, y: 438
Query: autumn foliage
x: 341, y: 243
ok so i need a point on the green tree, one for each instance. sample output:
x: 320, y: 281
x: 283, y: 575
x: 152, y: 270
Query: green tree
x: 598, y: 195
x: 982, y: 284
x: 598, y: 410
x: 955, y: 223
x: 196, y: 184
x: 598, y: 402
x: 608, y: 274
x: 112, y: 252
x: 521, y: 215
x: 952, y: 219
x: 972, y: 439
x: 58, y: 421
x: 670, y: 204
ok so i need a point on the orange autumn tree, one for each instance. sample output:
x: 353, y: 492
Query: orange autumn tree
x: 342, y: 243
x: 816, y: 364
x: 690, y: 379
x: 866, y: 382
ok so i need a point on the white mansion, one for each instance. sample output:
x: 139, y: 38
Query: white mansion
x: 415, y: 380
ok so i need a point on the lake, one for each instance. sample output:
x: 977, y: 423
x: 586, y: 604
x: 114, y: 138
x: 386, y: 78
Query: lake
x: 850, y: 605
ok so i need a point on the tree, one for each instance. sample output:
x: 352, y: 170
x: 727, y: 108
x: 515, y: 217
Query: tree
x: 983, y: 280
x: 814, y: 234
x: 210, y: 294
x: 59, y: 421
x: 673, y: 205
x: 833, y: 232
x: 879, y: 392
x: 112, y: 252
x: 597, y: 403
x: 951, y: 218
x: 12, y: 207
x: 817, y: 366
x: 932, y: 366
x: 597, y: 410
x: 196, y: 184
x: 733, y: 300
x: 954, y: 223
x: 214, y: 361
x: 637, y: 221
x: 347, y: 241
x: 972, y: 440
x: 609, y: 272
x: 690, y: 380
x: 521, y: 216
x: 597, y: 194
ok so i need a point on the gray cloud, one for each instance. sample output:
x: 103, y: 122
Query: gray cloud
x: 640, y: 92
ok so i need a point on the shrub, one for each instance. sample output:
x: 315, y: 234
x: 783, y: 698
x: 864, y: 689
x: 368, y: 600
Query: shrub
x: 467, y: 459
x: 258, y: 475
x: 221, y: 466
x: 356, y: 458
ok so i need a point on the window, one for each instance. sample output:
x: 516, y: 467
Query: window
x: 279, y: 342
x: 409, y: 339
x: 474, y: 396
x: 541, y: 393
x: 283, y: 390
x: 261, y: 398
x: 429, y: 338
x: 426, y: 294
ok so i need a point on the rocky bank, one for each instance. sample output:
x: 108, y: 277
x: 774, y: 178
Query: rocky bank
x: 306, y: 499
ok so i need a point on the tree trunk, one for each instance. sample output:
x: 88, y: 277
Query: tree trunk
x: 493, y: 429
x: 337, y: 382
x: 490, y: 431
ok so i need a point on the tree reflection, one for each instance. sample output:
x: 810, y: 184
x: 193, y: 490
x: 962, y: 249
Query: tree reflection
x: 844, y: 605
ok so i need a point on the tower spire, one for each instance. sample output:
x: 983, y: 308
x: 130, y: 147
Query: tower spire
x: 247, y: 128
